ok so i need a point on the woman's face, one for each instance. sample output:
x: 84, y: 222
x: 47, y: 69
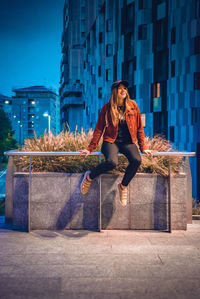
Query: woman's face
x: 122, y: 91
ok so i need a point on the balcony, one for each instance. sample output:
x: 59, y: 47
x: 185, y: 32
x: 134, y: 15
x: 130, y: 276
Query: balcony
x: 71, y: 88
x: 72, y: 101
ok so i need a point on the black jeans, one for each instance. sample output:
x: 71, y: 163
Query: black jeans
x: 110, y: 152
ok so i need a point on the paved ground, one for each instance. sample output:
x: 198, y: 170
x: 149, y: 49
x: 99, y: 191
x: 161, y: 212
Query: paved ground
x: 111, y: 264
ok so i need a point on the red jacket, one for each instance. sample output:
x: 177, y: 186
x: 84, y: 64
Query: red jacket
x: 134, y: 123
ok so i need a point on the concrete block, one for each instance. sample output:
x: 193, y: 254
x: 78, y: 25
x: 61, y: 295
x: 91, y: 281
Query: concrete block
x: 56, y: 202
x: 114, y: 215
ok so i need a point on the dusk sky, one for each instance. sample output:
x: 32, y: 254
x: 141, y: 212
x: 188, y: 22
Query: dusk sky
x: 30, y: 37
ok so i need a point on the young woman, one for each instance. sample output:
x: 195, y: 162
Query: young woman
x: 120, y: 123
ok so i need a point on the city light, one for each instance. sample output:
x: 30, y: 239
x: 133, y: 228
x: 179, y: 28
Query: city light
x: 33, y: 102
x: 46, y: 114
x: 7, y: 102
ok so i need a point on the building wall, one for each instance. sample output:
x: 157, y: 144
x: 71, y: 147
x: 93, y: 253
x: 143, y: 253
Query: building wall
x: 28, y: 108
x: 183, y: 89
x: 155, y: 45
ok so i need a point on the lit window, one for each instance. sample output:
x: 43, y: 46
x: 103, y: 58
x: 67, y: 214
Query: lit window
x: 143, y: 116
x: 156, y: 90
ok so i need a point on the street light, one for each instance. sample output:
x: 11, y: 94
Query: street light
x: 46, y: 114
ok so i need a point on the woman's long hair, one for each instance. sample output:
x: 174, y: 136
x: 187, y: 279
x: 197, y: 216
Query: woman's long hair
x: 113, y: 101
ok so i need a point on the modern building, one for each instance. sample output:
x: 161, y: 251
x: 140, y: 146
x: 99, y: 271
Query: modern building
x: 155, y: 45
x: 35, y: 109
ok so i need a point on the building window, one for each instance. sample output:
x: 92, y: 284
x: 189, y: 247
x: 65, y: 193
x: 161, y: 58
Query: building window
x: 173, y: 68
x: 130, y: 13
x: 87, y: 110
x: 160, y: 41
x: 156, y: 90
x: 84, y: 64
x: 197, y: 80
x: 83, y: 25
x: 100, y: 37
x: 108, y: 75
x: 195, y: 117
x: 197, y: 8
x: 92, y: 69
x: 141, y: 4
x: 109, y: 49
x: 197, y: 45
x: 157, y: 105
x: 173, y: 35
x: 156, y: 101
x: 171, y: 130
x: 143, y: 116
x: 161, y: 10
x: 109, y: 25
x: 83, y: 11
x: 142, y: 32
x: 99, y: 71
x: 100, y: 92
x: 82, y: 34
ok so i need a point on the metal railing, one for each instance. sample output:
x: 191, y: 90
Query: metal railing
x: 57, y: 153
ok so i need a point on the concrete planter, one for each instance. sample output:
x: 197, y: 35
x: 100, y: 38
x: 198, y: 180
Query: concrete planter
x: 56, y: 202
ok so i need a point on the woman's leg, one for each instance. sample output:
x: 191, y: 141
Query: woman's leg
x: 110, y: 152
x: 132, y: 154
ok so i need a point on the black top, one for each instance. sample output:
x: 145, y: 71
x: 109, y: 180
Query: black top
x: 123, y: 131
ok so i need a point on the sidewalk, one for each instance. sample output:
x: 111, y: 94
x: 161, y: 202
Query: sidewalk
x: 110, y: 264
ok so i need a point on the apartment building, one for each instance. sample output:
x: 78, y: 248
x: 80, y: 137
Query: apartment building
x: 155, y: 45
x: 35, y: 109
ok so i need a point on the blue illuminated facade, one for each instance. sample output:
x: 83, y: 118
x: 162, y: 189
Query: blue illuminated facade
x: 155, y: 45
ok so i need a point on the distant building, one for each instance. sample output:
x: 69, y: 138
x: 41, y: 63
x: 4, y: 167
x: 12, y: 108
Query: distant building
x: 6, y: 105
x: 155, y: 45
x: 28, y: 108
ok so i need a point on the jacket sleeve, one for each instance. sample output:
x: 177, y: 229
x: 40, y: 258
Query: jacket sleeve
x: 140, y: 132
x: 101, y: 122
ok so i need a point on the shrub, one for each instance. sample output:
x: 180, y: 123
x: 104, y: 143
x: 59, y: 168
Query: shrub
x: 69, y: 141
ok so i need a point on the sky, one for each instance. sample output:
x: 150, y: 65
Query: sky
x: 30, y: 38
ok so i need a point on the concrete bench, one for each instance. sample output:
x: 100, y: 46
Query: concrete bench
x: 53, y: 200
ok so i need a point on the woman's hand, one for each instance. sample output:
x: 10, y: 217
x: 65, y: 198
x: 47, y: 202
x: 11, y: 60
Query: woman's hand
x: 147, y: 153
x: 85, y: 151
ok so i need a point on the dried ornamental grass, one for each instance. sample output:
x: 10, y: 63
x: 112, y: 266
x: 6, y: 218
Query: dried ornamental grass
x: 69, y: 141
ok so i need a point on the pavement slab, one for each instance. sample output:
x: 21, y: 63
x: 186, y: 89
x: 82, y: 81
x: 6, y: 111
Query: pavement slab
x: 112, y: 264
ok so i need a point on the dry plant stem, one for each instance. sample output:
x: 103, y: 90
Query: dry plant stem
x: 69, y: 141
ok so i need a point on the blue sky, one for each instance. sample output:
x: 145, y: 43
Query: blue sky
x: 30, y: 37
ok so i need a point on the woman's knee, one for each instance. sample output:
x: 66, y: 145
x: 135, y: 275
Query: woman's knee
x: 112, y: 163
x: 137, y: 161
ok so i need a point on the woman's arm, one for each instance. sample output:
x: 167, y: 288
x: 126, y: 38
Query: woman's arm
x: 101, y: 122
